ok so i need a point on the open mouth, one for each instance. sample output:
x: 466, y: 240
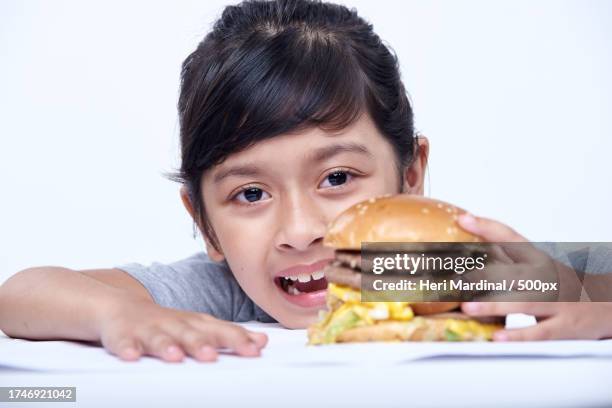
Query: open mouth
x: 297, y: 285
x: 304, y: 285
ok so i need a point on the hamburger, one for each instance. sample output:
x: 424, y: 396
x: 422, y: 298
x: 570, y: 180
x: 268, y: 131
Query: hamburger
x: 402, y: 218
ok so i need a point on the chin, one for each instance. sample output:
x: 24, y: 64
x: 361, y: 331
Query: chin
x: 297, y: 321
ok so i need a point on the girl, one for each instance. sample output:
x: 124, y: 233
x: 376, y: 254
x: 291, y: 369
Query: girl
x: 290, y: 112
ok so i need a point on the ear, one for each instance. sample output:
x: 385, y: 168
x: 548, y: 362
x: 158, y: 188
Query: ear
x: 414, y: 175
x: 212, y: 252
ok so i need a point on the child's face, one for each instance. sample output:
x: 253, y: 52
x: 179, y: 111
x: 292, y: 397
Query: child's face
x: 270, y: 205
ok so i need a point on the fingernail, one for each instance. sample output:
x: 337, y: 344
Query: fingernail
x: 500, y: 336
x: 251, y: 348
x: 467, y: 219
x: 129, y: 352
x: 208, y: 353
x: 472, y: 307
x: 206, y: 349
x: 172, y: 350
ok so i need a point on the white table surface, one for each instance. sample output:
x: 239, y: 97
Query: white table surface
x: 554, y: 374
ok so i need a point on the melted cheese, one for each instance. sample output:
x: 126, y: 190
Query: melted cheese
x: 369, y: 311
x: 471, y: 329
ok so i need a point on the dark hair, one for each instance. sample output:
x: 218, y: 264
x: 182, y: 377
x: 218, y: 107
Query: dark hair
x: 272, y: 67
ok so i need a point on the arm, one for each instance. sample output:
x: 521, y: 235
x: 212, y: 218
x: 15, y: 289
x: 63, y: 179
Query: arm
x: 59, y: 303
x: 109, y: 306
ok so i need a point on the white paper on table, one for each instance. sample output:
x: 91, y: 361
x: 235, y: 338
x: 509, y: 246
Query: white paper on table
x: 288, y: 348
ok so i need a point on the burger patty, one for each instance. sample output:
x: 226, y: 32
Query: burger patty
x: 352, y: 259
x: 462, y: 316
x: 348, y: 259
x: 345, y: 270
x: 337, y: 273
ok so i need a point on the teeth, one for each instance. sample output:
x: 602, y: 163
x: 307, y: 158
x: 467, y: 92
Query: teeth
x: 304, y: 278
x: 318, y: 275
x: 293, y: 290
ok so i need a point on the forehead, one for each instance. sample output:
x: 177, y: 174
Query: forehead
x: 313, y: 144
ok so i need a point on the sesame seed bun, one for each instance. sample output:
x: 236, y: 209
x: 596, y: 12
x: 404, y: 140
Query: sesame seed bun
x: 398, y: 218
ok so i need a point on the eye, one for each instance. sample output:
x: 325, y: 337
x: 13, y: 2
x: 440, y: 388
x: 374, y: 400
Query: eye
x: 251, y: 195
x: 336, y: 178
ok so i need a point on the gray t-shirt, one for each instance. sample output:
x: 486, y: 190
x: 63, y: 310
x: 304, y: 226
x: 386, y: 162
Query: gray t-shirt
x: 198, y: 284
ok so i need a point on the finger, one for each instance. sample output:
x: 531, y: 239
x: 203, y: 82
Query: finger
x: 525, y: 252
x: 520, y: 251
x: 160, y: 344
x: 231, y: 336
x: 498, y: 255
x: 236, y: 338
x: 517, y: 247
x: 198, y: 344
x: 505, y: 308
x: 212, y: 326
x: 499, y: 273
x: 495, y: 273
x: 125, y: 347
x: 260, y: 339
x: 489, y: 230
x: 548, y: 329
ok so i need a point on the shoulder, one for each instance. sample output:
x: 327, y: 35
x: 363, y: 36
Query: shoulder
x: 199, y: 284
x: 599, y: 258
x: 200, y: 269
x: 195, y: 283
x: 589, y: 257
x: 197, y: 269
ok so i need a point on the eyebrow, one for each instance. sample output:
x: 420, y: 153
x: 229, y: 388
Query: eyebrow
x: 328, y: 152
x: 244, y: 170
x: 319, y: 155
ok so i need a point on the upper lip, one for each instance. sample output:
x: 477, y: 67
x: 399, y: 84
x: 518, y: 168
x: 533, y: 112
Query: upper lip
x: 304, y: 269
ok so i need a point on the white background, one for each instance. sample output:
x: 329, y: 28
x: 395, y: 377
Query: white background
x: 515, y: 97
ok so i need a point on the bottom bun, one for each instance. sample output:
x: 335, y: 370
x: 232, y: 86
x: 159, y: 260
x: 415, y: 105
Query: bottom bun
x: 422, y: 329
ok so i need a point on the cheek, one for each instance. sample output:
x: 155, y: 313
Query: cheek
x: 247, y: 260
x: 245, y: 245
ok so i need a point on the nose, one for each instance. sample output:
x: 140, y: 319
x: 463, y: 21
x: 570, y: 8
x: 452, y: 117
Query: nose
x: 302, y: 224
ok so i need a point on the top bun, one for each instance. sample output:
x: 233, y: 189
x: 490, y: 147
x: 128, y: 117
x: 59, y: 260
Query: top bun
x: 398, y: 218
